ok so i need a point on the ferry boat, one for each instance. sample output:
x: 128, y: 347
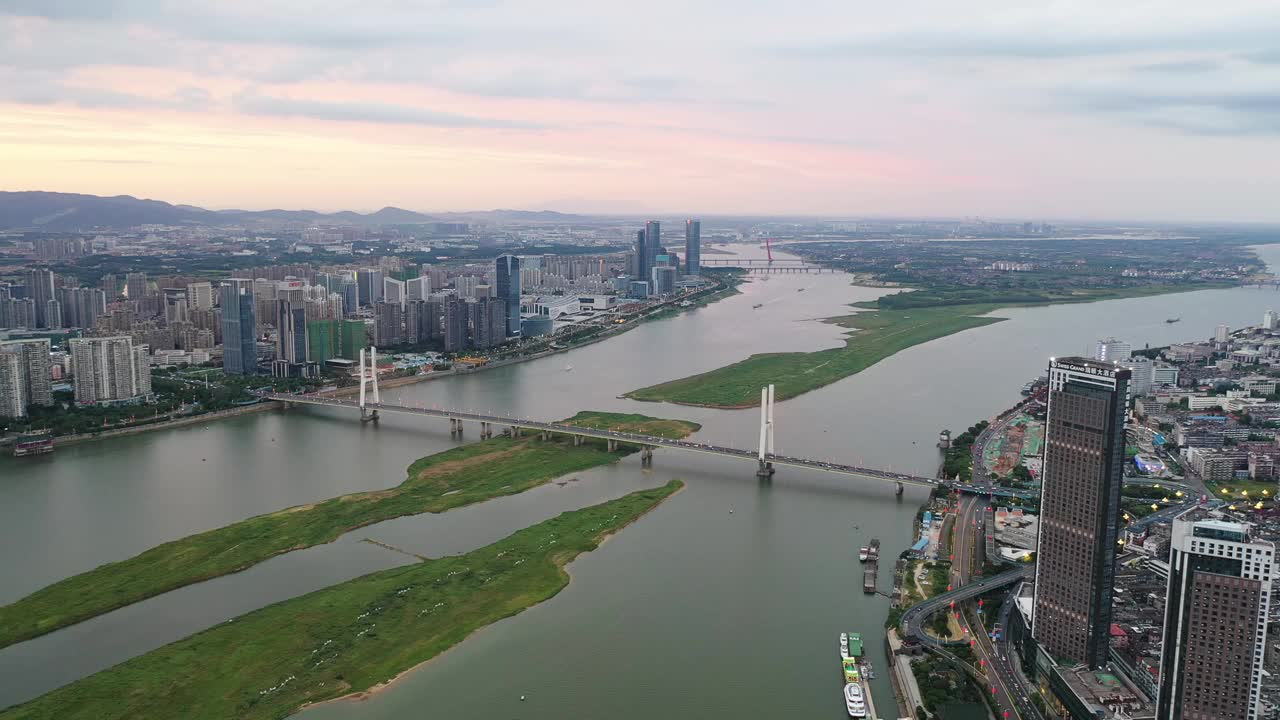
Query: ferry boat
x: 854, y: 702
x: 855, y: 645
x: 851, y: 672
x: 757, y: 306
x: 1172, y: 320
x: 863, y: 553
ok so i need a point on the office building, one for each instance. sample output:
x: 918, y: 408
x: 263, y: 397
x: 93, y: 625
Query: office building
x: 110, y: 370
x: 1141, y: 370
x: 1269, y: 320
x: 389, y: 324
x: 40, y: 289
x: 692, y: 247
x: 393, y: 291
x: 638, y: 290
x: 1111, y: 350
x: 1221, y: 334
x: 135, y: 285
x: 369, y: 285
x: 508, y: 282
x: 291, y: 332
x: 637, y: 260
x: 1215, y: 626
x: 1079, y: 509
x: 664, y: 280
x: 239, y: 334
x: 652, y: 247
x: 200, y: 295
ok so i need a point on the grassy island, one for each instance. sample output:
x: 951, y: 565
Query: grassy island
x: 460, y: 476
x: 890, y: 324
x: 877, y: 335
x: 347, y: 638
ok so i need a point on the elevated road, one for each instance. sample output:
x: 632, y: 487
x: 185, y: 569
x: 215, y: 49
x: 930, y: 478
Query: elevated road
x: 914, y: 618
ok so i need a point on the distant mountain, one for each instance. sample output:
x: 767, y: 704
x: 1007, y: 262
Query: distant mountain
x: 62, y: 212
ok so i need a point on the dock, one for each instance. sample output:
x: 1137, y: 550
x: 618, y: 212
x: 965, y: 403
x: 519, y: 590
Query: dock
x: 872, y: 567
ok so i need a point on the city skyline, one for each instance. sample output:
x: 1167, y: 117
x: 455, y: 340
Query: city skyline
x: 469, y: 106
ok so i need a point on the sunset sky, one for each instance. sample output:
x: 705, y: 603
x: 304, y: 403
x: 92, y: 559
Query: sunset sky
x: 1130, y: 110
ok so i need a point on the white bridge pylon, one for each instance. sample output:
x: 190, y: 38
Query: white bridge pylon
x: 766, y: 432
x: 369, y: 376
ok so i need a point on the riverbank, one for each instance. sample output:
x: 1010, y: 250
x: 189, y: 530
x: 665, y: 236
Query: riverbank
x: 454, y: 478
x: 887, y: 327
x: 348, y: 638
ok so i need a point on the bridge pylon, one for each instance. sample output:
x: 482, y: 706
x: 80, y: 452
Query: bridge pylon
x: 765, y: 454
x: 369, y: 376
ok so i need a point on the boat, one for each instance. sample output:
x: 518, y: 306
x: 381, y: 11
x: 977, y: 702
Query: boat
x: 863, y: 553
x: 874, y: 549
x: 854, y: 702
x: 1173, y: 320
x: 851, y: 672
x: 757, y: 306
x: 39, y: 442
x: 568, y: 368
x: 844, y: 647
x: 855, y: 645
x: 800, y: 289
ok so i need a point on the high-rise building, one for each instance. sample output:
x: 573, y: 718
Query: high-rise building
x: 200, y: 295
x: 323, y: 340
x: 18, y: 313
x: 1142, y: 371
x: 455, y: 325
x: 664, y: 280
x: 1111, y: 350
x: 393, y: 291
x: 692, y: 247
x: 80, y: 307
x: 135, y: 285
x: 291, y: 332
x: 110, y: 286
x: 508, y: 280
x: 36, y: 372
x: 110, y: 370
x: 40, y: 289
x: 354, y: 336
x: 1221, y: 334
x: 369, y: 285
x: 13, y: 386
x: 389, y: 324
x: 418, y: 288
x: 52, y: 315
x: 1079, y: 509
x: 652, y: 246
x: 1269, y: 320
x: 639, y: 265
x: 1215, y: 625
x: 239, y: 333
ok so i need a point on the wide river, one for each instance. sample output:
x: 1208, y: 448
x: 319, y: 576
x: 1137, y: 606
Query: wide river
x: 693, y: 612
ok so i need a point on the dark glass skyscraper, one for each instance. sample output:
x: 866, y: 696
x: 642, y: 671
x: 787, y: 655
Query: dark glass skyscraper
x: 239, y: 344
x: 692, y: 247
x: 1079, y: 509
x: 652, y: 247
x: 508, y: 280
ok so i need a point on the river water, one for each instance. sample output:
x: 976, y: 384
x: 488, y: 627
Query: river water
x: 692, y: 612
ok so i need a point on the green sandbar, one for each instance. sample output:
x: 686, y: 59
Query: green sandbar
x: 347, y: 638
x: 460, y: 476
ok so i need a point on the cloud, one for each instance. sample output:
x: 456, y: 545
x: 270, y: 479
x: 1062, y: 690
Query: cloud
x: 1208, y: 113
x: 1181, y: 67
x: 366, y: 112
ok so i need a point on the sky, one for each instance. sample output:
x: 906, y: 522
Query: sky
x: 1070, y: 109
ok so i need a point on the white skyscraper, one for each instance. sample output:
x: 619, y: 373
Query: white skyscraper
x: 200, y: 296
x: 393, y: 291
x: 1111, y: 350
x: 1143, y: 371
x: 1269, y: 320
x: 13, y: 388
x: 418, y: 288
x: 1222, y: 334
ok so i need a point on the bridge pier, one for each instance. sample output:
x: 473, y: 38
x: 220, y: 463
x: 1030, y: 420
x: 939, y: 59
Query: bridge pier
x: 577, y: 440
x: 546, y: 435
x: 455, y: 427
x: 899, y: 489
x: 646, y: 456
x: 486, y: 430
x: 367, y: 415
x: 765, y: 470
x: 612, y: 445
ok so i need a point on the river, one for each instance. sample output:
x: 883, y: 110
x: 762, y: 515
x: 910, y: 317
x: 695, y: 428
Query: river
x: 692, y: 612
